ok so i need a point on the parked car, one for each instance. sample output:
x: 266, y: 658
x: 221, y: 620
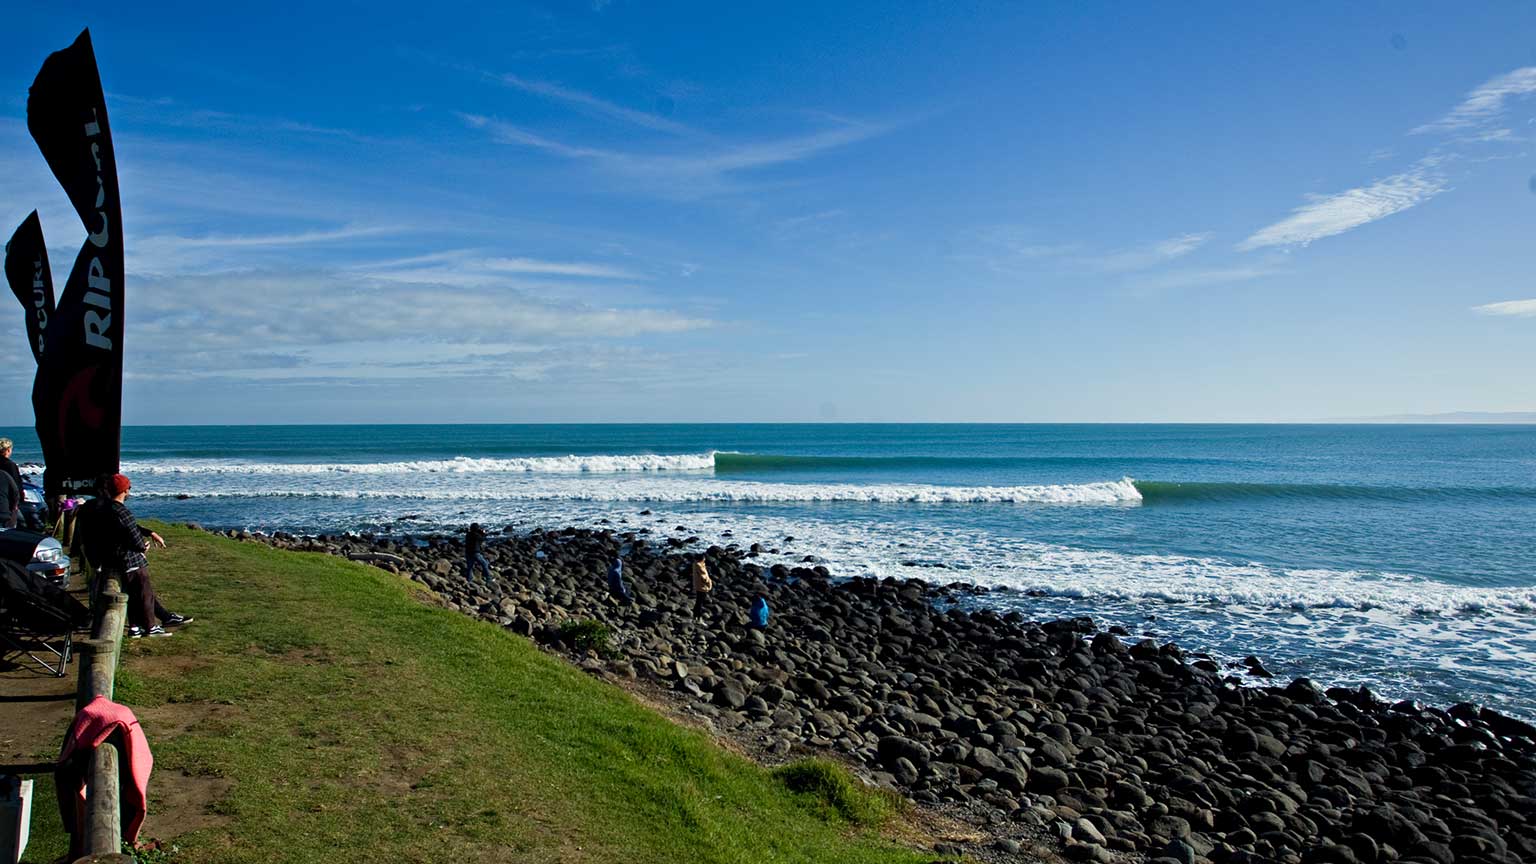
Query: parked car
x: 40, y: 553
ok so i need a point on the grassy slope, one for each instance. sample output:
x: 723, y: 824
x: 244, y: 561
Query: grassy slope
x: 351, y: 722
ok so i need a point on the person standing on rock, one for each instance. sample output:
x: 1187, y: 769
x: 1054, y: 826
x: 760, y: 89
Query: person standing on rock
x: 702, y: 584
x: 474, y: 556
x: 758, y: 613
x: 616, y: 586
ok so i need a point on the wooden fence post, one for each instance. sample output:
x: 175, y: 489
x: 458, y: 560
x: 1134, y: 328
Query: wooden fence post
x: 103, y: 814
x: 103, y: 828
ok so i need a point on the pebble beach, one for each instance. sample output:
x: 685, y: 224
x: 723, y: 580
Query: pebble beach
x: 1045, y: 736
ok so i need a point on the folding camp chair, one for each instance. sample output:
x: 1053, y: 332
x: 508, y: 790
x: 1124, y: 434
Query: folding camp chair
x: 38, y: 618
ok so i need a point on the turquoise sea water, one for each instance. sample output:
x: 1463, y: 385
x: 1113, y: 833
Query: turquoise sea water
x: 1399, y: 556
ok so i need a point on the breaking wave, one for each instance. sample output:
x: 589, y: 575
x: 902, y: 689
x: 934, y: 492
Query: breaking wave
x: 1121, y: 491
x: 592, y: 464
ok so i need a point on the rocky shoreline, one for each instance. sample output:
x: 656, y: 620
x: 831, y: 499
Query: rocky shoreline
x: 1120, y: 750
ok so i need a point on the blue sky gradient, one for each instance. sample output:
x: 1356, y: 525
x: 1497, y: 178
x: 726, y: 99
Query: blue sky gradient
x: 636, y: 211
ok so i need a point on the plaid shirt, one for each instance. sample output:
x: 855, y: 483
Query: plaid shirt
x: 111, y: 537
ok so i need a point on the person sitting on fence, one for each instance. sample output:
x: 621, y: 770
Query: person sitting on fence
x: 616, y: 586
x: 474, y: 556
x: 114, y: 543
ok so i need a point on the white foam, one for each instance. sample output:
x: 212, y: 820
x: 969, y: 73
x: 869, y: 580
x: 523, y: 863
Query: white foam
x: 1388, y: 630
x: 1403, y: 634
x: 886, y: 543
x: 591, y: 464
x: 1118, y: 576
x: 701, y: 491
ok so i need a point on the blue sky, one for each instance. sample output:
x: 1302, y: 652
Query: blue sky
x: 638, y: 211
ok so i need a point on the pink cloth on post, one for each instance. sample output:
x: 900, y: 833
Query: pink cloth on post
x: 96, y: 722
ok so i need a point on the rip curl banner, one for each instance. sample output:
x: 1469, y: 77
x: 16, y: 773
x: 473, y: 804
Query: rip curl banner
x: 26, y: 269
x: 77, y: 396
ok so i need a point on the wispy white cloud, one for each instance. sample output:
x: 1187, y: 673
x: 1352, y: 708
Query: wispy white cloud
x: 1021, y: 243
x: 1038, y: 251
x: 1478, y: 118
x: 1177, y: 247
x: 346, y: 369
x: 557, y: 268
x: 590, y: 103
x: 1199, y: 278
x: 418, y: 260
x: 1512, y: 308
x: 249, y: 241
x: 347, y: 334
x: 343, y: 308
x: 794, y: 222
x: 1018, y: 249
x: 1328, y: 215
x: 471, y: 267
x: 703, y: 172
x: 1487, y: 102
x: 778, y: 151
x: 1012, y: 250
x: 510, y: 134
x: 1145, y: 257
x: 169, y: 254
x: 165, y: 111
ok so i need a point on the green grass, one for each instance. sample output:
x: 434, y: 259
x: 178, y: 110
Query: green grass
x: 832, y: 794
x: 334, y: 717
x: 47, y: 840
x: 587, y: 635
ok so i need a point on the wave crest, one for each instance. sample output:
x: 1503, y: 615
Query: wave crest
x: 1121, y: 491
x: 590, y: 464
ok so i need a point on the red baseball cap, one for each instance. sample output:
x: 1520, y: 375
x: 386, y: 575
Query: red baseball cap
x: 120, y: 484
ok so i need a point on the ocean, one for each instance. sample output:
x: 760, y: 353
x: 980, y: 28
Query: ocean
x: 1400, y: 557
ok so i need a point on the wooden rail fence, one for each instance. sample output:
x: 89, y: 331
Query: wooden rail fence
x: 103, y: 828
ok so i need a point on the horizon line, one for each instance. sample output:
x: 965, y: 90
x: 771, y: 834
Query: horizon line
x: 1428, y: 420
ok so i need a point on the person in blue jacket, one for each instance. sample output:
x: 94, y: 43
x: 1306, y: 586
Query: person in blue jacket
x: 759, y: 612
x: 616, y: 585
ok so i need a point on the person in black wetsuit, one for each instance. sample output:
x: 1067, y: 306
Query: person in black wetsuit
x: 474, y: 556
